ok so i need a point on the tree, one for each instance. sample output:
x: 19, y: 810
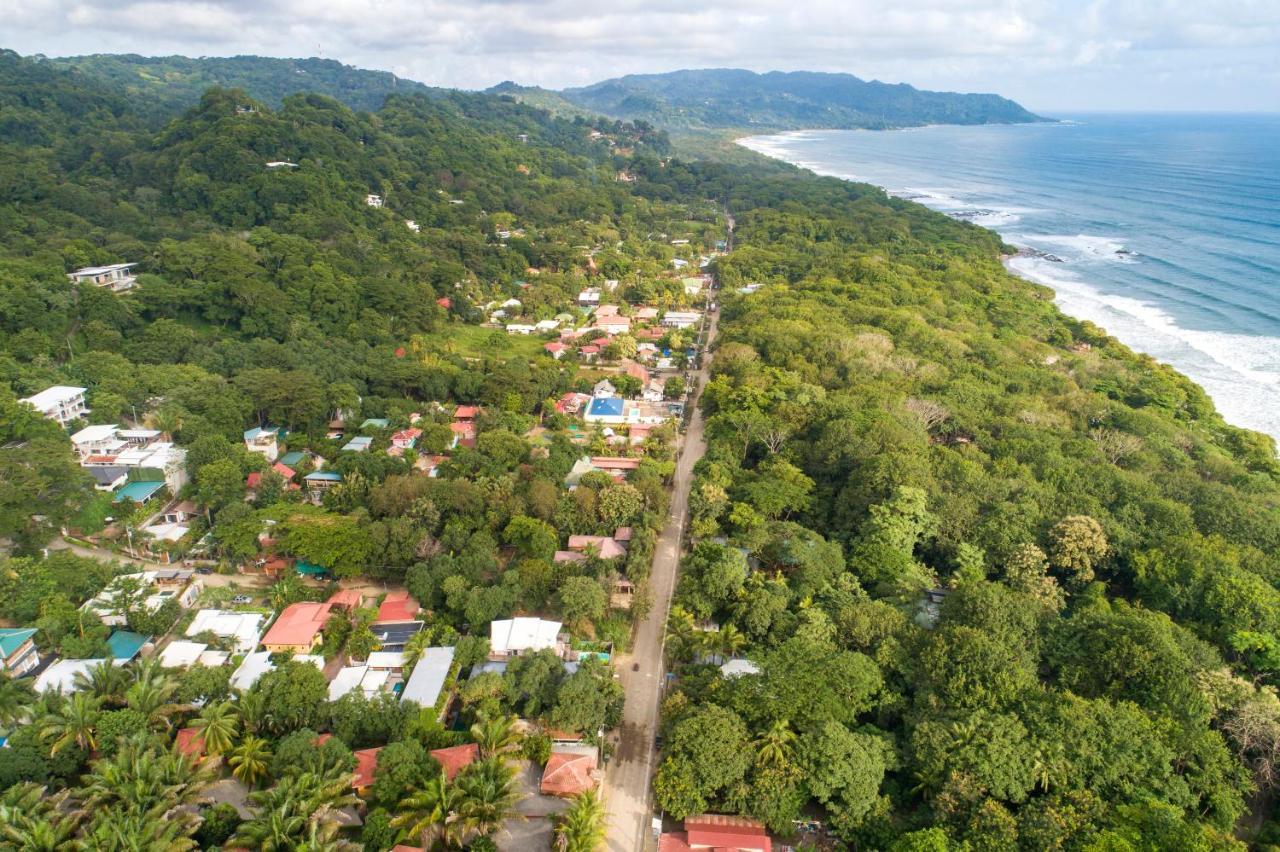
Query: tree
x: 217, y: 825
x: 588, y: 700
x: 709, y: 751
x: 487, y: 795
x: 294, y: 694
x: 340, y: 543
x: 581, y: 827
x: 1077, y: 545
x: 582, y: 600
x: 494, y: 733
x: 401, y: 767
x: 16, y: 696
x: 73, y: 723
x: 532, y: 538
x: 844, y: 770
x: 219, y: 484
x: 218, y: 724
x: 428, y: 813
x: 775, y: 746
x: 249, y: 760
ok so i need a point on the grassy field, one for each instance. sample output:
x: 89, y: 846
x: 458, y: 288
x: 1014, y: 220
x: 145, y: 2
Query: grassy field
x: 473, y: 341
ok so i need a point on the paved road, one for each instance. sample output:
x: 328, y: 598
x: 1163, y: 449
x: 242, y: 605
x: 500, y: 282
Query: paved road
x: 628, y: 774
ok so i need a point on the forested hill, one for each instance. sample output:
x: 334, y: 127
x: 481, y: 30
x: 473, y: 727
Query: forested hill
x: 167, y: 84
x: 734, y: 98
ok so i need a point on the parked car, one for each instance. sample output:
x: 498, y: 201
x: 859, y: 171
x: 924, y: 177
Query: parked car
x: 204, y: 569
x: 241, y: 600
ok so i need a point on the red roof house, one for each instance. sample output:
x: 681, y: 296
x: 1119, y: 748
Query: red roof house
x: 603, y: 546
x: 348, y: 599
x: 455, y: 758
x: 444, y: 302
x: 298, y: 628
x: 366, y: 768
x: 569, y: 773
x: 717, y: 832
x: 466, y: 412
x: 190, y: 743
x: 397, y: 606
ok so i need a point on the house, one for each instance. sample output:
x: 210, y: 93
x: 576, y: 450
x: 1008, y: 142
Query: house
x: 616, y: 466
x: 189, y: 743
x: 373, y: 200
x: 274, y: 164
x: 370, y: 682
x: 589, y: 297
x: 98, y: 440
x: 466, y: 413
x: 358, y: 444
x: 348, y: 600
x: 654, y: 392
x: 718, y: 832
x: 636, y: 371
x: 555, y: 349
x: 614, y: 325
x: 602, y: 546
x: 116, y: 277
x: 645, y: 313
x: 681, y: 319
x: 405, y: 439
x: 464, y: 434
x: 61, y: 676
x: 163, y: 456
x: 392, y: 636
x: 62, y: 403
x: 693, y: 286
x: 124, y: 645
x: 456, y: 758
x: 397, y: 607
x: 606, y: 311
x: 604, y: 388
x: 520, y: 328
x: 571, y: 403
x: 738, y: 668
x: 366, y: 769
x: 374, y: 423
x: 263, y: 440
x: 156, y: 586
x: 547, y: 325
x: 512, y: 637
x: 386, y: 661
x: 255, y: 665
x: 412, y: 225
x: 320, y: 482
x: 570, y: 771
x: 429, y: 676
x: 240, y: 629
x: 298, y: 628
x: 18, y: 650
x: 107, y: 477
x: 180, y: 654
x: 611, y: 410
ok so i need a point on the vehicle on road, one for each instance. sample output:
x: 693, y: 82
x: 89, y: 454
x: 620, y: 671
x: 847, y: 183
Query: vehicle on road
x: 241, y: 600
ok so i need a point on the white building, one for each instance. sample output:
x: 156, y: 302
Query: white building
x: 62, y: 403
x: 373, y: 200
x: 162, y: 456
x: 181, y: 654
x: 368, y: 680
x: 242, y: 628
x: 264, y: 440
x: 520, y: 328
x: 681, y: 319
x: 116, y: 277
x: 158, y: 587
x: 98, y: 440
x: 429, y: 676
x: 512, y: 637
x: 412, y: 226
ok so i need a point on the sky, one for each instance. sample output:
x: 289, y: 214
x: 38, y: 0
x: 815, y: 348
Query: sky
x: 1050, y: 55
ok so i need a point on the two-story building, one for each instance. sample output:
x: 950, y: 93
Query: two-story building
x: 62, y: 403
x: 18, y: 654
x: 116, y: 277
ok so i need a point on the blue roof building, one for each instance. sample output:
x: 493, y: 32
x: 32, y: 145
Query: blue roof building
x: 18, y: 649
x: 124, y: 645
x: 375, y: 423
x: 358, y: 445
x: 138, y: 492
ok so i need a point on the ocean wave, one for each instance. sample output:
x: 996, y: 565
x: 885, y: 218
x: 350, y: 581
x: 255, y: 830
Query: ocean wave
x: 1240, y: 371
x: 1082, y: 246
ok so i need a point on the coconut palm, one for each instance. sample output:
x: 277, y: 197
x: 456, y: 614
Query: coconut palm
x: 299, y: 810
x: 427, y: 813
x: 253, y: 710
x: 729, y: 640
x: 494, y: 733
x: 217, y: 724
x: 152, y: 696
x: 581, y: 828
x: 138, y: 779
x: 775, y: 745
x: 16, y: 698
x: 105, y: 681
x: 487, y: 795
x: 31, y: 820
x: 74, y: 723
x: 159, y: 829
x: 249, y: 760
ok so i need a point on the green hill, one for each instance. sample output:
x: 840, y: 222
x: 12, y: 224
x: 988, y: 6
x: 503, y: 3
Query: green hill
x: 733, y: 98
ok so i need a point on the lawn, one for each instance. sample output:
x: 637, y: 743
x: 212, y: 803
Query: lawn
x: 474, y: 341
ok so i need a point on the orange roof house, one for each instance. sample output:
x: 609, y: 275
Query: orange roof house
x: 348, y: 599
x: 298, y: 628
x: 455, y: 758
x: 397, y: 606
x: 603, y: 546
x: 569, y: 773
x: 718, y: 832
x: 466, y: 412
x: 366, y: 768
x: 189, y: 743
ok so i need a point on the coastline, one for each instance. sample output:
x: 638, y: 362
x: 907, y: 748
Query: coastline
x: 1231, y: 367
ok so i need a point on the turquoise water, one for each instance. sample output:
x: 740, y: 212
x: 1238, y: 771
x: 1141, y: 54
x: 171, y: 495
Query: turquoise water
x: 1163, y: 229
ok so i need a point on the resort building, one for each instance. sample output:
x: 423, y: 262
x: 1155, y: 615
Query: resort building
x: 117, y: 277
x: 62, y: 403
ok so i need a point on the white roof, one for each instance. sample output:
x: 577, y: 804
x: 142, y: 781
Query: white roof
x: 251, y: 668
x: 214, y: 659
x: 50, y: 397
x: 61, y: 676
x: 736, y: 668
x: 244, y: 627
x: 429, y: 675
x: 181, y: 654
x: 167, y: 532
x: 139, y: 433
x: 93, y: 434
x: 314, y: 659
x: 386, y: 660
x: 522, y: 634
x: 346, y: 680
x: 98, y: 270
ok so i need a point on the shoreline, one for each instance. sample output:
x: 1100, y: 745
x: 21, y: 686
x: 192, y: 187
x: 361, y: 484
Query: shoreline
x: 1204, y: 357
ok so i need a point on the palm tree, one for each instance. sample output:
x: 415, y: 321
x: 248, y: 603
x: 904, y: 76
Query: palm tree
x: 730, y: 640
x: 105, y: 681
x: 774, y: 746
x: 416, y: 644
x: 249, y: 760
x: 581, y: 828
x: 74, y: 723
x: 487, y: 795
x: 32, y: 821
x: 298, y: 811
x: 151, y: 696
x: 218, y: 724
x: 253, y: 710
x: 139, y: 779
x: 494, y: 734
x: 16, y: 698
x: 428, y: 813
x: 160, y: 829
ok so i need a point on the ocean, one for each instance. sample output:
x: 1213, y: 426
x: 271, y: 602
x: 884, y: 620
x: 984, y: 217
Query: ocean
x: 1162, y: 229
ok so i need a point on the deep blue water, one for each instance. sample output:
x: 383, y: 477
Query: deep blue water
x: 1163, y: 229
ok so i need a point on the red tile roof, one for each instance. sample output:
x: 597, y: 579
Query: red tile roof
x: 466, y: 412
x: 298, y: 624
x: 720, y: 831
x: 189, y: 742
x: 568, y: 774
x: 366, y: 765
x: 284, y: 470
x: 253, y: 480
x: 454, y: 758
x: 614, y: 463
x: 397, y: 606
x: 444, y: 302
x: 348, y: 598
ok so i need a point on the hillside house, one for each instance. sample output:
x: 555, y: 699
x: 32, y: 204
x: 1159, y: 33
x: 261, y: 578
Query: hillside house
x: 62, y: 403
x: 264, y: 440
x: 116, y: 277
x: 612, y: 325
x: 18, y: 654
x: 372, y: 200
x: 320, y: 482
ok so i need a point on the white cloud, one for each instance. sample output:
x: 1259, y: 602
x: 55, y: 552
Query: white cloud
x: 1050, y: 53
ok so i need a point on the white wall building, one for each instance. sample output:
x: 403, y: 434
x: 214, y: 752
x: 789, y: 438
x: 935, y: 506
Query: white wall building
x: 62, y: 403
x: 117, y: 277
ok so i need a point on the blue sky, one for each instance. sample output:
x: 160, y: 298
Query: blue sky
x: 1051, y: 55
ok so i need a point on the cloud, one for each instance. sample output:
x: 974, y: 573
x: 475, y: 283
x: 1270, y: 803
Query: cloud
x: 1031, y: 49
